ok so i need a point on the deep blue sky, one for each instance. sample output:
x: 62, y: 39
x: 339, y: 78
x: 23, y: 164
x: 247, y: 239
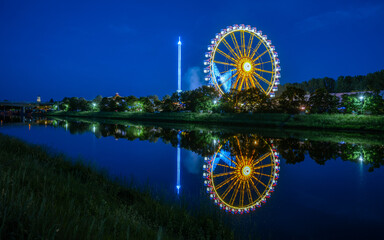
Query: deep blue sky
x: 85, y: 48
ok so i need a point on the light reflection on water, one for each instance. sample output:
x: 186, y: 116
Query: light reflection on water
x: 325, y: 189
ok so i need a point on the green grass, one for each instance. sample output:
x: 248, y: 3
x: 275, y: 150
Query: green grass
x: 312, y: 121
x: 46, y: 196
x: 338, y: 121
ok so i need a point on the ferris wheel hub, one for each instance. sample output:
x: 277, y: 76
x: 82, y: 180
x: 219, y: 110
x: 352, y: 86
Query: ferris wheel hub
x: 246, y: 171
x: 247, y: 67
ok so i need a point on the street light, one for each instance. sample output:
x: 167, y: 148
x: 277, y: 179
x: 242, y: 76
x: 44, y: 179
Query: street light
x: 362, y: 103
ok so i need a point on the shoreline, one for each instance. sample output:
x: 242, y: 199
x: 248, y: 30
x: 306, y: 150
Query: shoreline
x: 339, y: 122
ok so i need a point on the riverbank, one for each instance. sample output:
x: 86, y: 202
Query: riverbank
x: 311, y: 121
x: 45, y: 195
x: 356, y: 137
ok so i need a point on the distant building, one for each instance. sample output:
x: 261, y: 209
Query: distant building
x: 116, y: 96
x: 38, y: 99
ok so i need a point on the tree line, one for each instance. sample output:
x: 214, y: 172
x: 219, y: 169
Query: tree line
x: 292, y: 100
x: 370, y: 82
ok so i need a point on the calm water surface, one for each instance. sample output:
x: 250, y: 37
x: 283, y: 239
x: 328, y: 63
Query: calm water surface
x: 265, y: 186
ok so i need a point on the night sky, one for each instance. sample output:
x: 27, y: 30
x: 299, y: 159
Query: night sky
x: 85, y: 48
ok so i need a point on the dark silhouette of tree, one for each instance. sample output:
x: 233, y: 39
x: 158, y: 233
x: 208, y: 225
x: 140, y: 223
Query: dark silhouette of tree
x: 292, y: 99
x: 323, y: 102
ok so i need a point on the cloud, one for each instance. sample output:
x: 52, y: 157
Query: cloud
x: 339, y: 17
x: 193, y: 78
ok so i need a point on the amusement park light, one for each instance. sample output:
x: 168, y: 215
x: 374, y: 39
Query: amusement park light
x: 361, y: 158
x: 215, y: 102
x: 361, y: 98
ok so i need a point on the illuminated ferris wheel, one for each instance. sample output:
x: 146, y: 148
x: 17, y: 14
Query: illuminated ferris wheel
x: 241, y: 57
x: 242, y: 174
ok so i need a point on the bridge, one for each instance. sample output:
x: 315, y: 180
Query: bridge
x: 22, y: 106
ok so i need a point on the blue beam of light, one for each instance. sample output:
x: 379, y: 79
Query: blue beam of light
x: 223, y: 78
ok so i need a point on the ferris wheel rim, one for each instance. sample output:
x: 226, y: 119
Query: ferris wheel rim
x: 251, y: 206
x: 262, y: 39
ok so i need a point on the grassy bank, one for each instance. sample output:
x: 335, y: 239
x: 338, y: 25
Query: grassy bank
x: 46, y: 196
x: 312, y: 121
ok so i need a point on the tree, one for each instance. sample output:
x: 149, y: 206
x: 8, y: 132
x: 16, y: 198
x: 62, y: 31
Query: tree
x: 105, y: 105
x: 292, y: 99
x: 253, y: 100
x: 148, y: 106
x: 200, y: 99
x: 98, y: 99
x: 373, y: 103
x: 83, y: 105
x: 351, y: 103
x: 321, y: 101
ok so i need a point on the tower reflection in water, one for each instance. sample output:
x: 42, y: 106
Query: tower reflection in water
x: 242, y: 174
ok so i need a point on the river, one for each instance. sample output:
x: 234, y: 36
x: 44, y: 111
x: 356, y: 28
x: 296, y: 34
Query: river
x: 264, y: 183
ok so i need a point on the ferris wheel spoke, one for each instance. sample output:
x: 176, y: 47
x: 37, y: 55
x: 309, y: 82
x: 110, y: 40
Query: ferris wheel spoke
x: 262, y: 158
x: 239, y: 146
x: 226, y: 55
x: 229, y: 159
x: 230, y: 48
x: 222, y: 165
x: 257, y: 64
x: 241, y: 84
x: 262, y: 70
x: 242, y: 194
x: 224, y: 63
x: 249, y: 193
x: 225, y: 182
x: 242, y: 43
x: 235, y: 43
x: 263, y: 174
x: 234, y: 193
x: 259, y: 181
x: 261, y: 78
x: 230, y: 70
x: 255, y: 50
x: 253, y: 85
x: 258, y: 84
x: 254, y: 186
x: 223, y: 174
x: 254, y: 60
x: 229, y: 188
x: 253, y: 153
x: 246, y: 82
x: 263, y: 166
x: 249, y: 44
x: 234, y: 86
x: 228, y: 79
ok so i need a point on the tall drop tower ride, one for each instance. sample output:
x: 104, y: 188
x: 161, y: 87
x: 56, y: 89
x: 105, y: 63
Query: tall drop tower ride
x: 179, y: 68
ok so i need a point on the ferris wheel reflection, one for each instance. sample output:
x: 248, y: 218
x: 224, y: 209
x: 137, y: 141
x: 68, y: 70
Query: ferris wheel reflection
x: 242, y: 174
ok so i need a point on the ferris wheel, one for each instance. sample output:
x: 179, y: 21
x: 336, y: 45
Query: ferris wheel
x: 241, y: 179
x: 241, y: 57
